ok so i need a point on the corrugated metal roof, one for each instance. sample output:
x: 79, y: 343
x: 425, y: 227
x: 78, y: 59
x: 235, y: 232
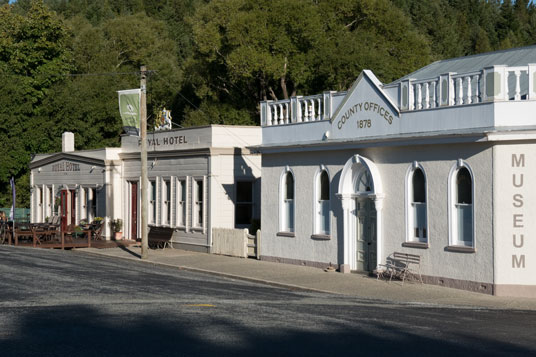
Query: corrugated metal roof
x: 520, y: 56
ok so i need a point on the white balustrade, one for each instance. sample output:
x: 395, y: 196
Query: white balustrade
x: 419, y: 96
x: 476, y: 97
x: 468, y: 97
x: 424, y: 94
x: 459, y: 98
x: 517, y: 95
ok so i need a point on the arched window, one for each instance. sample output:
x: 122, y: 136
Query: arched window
x: 363, y: 182
x: 321, y: 204
x: 419, y: 206
x: 461, y: 207
x: 417, y: 218
x: 287, y: 202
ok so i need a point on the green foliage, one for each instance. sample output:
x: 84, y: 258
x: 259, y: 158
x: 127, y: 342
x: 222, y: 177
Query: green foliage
x: 214, y: 59
x: 33, y: 57
x: 247, y: 51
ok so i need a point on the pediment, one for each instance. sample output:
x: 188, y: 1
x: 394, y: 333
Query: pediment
x: 66, y: 159
x: 365, y: 111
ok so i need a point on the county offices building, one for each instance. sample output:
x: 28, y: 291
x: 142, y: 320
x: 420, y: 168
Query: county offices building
x: 440, y: 163
x: 199, y: 178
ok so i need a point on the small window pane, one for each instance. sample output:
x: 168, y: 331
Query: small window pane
x: 182, y: 184
x: 324, y: 186
x: 419, y: 220
x: 199, y: 190
x: 324, y: 218
x: 289, y: 209
x: 244, y: 202
x: 419, y: 192
x: 243, y: 213
x: 244, y: 191
x: 463, y: 183
x: 465, y: 224
x: 289, y: 189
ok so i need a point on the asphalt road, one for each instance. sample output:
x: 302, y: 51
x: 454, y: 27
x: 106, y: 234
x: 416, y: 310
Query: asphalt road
x: 56, y: 303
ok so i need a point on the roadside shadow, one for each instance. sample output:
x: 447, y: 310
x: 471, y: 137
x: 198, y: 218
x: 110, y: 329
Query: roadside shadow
x: 186, y: 330
x: 126, y: 249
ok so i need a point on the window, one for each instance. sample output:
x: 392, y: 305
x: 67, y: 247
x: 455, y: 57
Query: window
x: 416, y: 211
x: 152, y: 202
x: 49, y: 199
x: 244, y: 203
x: 40, y: 204
x: 182, y: 191
x: 287, y: 202
x: 91, y: 203
x: 166, y: 201
x: 83, y: 203
x: 363, y: 181
x: 461, y: 209
x: 198, y: 203
x: 322, y: 217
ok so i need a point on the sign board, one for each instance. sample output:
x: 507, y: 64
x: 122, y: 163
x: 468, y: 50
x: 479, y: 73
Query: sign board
x: 366, y: 111
x: 514, y: 212
x: 129, y: 108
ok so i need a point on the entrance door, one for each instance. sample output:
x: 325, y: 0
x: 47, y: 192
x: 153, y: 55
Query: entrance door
x: 72, y: 196
x: 366, y: 235
x: 63, y: 208
x: 134, y: 210
x: 68, y: 209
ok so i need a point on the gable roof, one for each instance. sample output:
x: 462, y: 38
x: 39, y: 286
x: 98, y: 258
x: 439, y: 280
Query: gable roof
x: 65, y: 156
x: 375, y: 83
x: 520, y: 56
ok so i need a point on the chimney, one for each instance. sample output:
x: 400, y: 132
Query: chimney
x: 67, y: 142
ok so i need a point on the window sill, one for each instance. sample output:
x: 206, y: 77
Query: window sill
x: 285, y: 234
x: 320, y: 236
x: 419, y: 245
x: 460, y: 249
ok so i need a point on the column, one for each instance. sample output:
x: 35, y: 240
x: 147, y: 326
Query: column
x: 378, y: 203
x: 348, y: 205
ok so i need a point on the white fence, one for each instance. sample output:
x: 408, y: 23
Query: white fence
x: 235, y: 242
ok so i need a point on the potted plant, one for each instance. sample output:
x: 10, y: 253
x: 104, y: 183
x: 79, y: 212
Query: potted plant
x: 117, y: 226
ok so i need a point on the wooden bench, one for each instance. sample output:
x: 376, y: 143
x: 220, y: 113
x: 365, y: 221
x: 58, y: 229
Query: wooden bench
x: 160, y: 237
x: 402, y: 266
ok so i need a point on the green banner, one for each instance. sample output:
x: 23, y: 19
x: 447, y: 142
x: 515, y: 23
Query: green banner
x: 129, y: 108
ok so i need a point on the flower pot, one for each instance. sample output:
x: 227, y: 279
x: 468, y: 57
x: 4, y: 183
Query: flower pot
x: 118, y: 235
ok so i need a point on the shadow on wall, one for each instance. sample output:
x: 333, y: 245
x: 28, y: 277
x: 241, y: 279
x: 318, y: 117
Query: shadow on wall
x: 336, y: 208
x: 242, y: 171
x: 75, y: 330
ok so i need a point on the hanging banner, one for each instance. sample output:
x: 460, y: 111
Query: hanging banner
x: 129, y: 108
x: 12, y: 211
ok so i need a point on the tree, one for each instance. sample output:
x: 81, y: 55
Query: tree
x: 113, y: 52
x: 246, y: 50
x: 33, y: 56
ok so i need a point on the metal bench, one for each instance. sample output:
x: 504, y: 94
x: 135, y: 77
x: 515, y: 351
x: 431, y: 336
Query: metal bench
x: 160, y: 237
x: 402, y: 266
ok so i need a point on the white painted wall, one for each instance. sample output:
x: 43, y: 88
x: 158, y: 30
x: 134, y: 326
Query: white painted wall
x: 392, y: 163
x: 515, y: 208
x: 226, y: 170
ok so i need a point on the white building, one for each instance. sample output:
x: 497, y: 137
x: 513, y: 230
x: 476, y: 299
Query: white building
x: 438, y: 163
x: 199, y: 178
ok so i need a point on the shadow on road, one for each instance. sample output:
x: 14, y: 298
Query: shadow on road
x: 126, y: 249
x: 86, y: 331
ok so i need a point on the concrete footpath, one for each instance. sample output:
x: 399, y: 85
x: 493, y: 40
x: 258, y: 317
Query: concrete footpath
x: 314, y: 279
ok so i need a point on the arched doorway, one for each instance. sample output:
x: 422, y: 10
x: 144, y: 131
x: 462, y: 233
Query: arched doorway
x: 360, y: 190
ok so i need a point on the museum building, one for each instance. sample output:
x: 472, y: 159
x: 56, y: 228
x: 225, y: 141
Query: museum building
x: 199, y: 178
x: 439, y: 163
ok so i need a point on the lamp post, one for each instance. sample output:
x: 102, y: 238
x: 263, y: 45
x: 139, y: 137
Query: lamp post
x: 144, y: 182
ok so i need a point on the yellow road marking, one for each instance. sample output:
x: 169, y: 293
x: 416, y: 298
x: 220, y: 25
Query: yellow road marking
x: 200, y: 305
